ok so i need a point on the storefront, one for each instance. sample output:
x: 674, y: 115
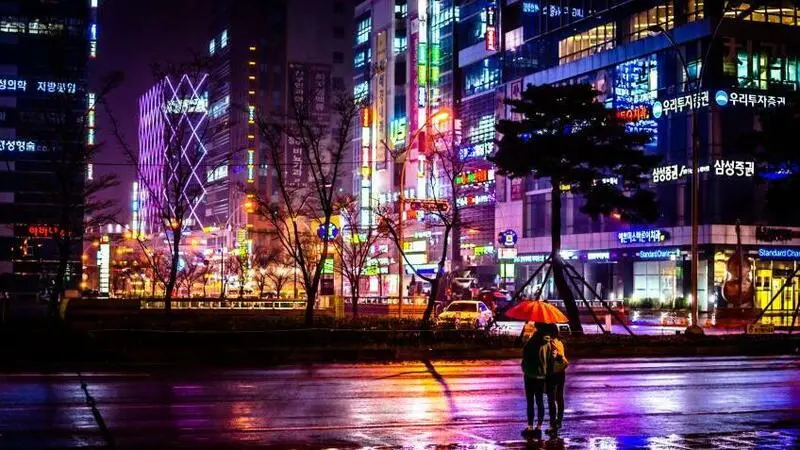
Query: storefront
x: 650, y: 277
x: 771, y: 267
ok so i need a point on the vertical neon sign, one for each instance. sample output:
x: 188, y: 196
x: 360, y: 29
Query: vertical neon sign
x: 366, y: 168
x: 93, y: 30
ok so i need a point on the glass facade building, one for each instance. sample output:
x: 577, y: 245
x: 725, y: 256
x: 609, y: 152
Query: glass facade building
x: 46, y: 120
x: 645, y: 59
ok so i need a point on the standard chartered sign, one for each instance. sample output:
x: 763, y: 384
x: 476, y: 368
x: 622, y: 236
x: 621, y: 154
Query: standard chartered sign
x: 779, y: 253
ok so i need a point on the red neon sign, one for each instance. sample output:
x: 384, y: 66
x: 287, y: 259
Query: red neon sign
x: 634, y: 114
x: 491, y: 38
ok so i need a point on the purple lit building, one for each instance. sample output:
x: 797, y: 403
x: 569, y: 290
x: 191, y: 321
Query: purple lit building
x: 172, y: 151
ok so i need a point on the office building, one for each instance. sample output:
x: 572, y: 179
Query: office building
x: 173, y: 130
x: 45, y: 122
x: 264, y: 54
x: 645, y: 59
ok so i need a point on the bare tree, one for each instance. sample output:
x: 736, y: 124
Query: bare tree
x: 441, y: 209
x: 354, y: 247
x: 280, y: 272
x: 176, y: 188
x: 262, y: 260
x: 239, y: 265
x: 68, y: 150
x: 307, y: 196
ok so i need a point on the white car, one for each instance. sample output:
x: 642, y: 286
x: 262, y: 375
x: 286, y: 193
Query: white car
x: 465, y: 313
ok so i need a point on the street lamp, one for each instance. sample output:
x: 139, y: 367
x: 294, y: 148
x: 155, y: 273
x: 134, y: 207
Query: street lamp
x: 695, y: 328
x: 440, y: 115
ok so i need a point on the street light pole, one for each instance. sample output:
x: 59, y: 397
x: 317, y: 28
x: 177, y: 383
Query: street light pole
x: 441, y: 114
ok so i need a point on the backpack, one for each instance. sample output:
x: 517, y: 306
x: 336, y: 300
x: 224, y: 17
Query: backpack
x: 559, y: 361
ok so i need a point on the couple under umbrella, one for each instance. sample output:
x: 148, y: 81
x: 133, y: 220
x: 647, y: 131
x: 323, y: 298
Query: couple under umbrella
x: 544, y: 364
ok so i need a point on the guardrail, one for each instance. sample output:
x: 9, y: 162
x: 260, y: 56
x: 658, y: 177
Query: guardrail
x: 241, y: 305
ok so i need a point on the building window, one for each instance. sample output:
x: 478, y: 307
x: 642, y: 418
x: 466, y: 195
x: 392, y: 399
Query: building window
x: 361, y: 58
x: 481, y: 76
x: 694, y: 10
x: 338, y: 6
x: 761, y: 70
x: 338, y: 83
x: 589, y: 42
x: 223, y: 39
x: 400, y: 42
x: 641, y: 24
x: 212, y: 47
x: 785, y: 14
x: 361, y: 91
x: 400, y: 9
x: 362, y: 31
x: 338, y: 32
x: 338, y: 57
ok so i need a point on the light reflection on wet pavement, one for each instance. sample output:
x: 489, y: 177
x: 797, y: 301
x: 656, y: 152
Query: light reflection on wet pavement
x: 665, y: 403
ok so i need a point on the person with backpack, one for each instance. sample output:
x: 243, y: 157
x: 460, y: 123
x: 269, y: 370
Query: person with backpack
x: 556, y: 377
x: 535, y: 361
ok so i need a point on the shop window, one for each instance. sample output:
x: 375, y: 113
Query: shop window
x: 655, y: 281
x: 782, y: 12
x: 589, y: 42
x: 640, y: 24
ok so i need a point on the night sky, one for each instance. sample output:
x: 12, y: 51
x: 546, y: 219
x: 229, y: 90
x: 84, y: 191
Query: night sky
x: 134, y: 34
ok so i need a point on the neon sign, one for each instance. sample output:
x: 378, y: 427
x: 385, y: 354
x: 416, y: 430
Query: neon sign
x: 333, y: 231
x: 779, y: 253
x: 475, y: 177
x: 187, y: 105
x: 8, y: 84
x: 734, y: 168
x: 634, y: 114
x: 659, y: 253
x: 507, y: 238
x: 7, y: 145
x: 691, y: 102
x: 490, y: 37
x: 643, y: 236
x: 474, y: 200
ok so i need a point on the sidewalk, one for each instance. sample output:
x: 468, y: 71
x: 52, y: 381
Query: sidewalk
x: 761, y: 440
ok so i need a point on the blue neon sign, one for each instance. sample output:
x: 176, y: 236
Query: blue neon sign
x: 779, y: 253
x: 659, y: 253
x: 652, y: 236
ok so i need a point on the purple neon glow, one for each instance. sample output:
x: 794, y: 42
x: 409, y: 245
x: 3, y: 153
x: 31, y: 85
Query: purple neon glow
x: 172, y: 115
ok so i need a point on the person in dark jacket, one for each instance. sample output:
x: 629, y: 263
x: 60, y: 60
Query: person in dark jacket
x: 535, y: 356
x: 556, y: 377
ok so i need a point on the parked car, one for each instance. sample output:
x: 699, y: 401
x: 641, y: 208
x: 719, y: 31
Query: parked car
x: 465, y: 313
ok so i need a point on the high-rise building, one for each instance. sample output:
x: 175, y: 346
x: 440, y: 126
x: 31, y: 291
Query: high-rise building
x: 45, y: 47
x: 662, y: 64
x: 263, y: 54
x: 173, y: 131
x: 405, y: 73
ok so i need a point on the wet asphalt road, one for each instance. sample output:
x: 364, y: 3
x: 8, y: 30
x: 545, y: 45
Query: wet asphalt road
x: 634, y: 403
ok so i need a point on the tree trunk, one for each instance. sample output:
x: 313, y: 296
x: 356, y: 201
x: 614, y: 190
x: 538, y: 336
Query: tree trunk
x: 559, y: 276
x: 354, y: 299
x: 173, y: 270
x: 311, y: 297
x: 58, y: 287
x: 457, y: 260
x: 426, y: 317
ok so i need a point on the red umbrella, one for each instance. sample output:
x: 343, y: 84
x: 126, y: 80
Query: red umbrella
x: 536, y: 311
